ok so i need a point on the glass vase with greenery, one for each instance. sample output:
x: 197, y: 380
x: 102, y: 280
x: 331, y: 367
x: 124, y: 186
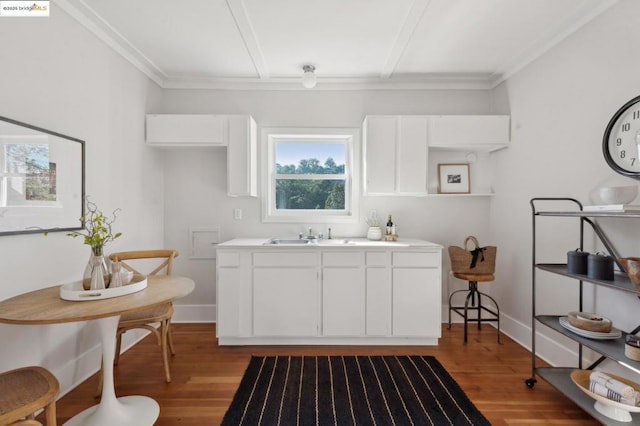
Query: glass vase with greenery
x: 97, y: 233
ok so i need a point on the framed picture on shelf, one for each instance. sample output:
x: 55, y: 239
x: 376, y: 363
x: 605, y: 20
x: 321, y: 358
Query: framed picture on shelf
x: 453, y: 178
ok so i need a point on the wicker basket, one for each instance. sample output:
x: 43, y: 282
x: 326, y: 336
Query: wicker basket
x: 462, y: 259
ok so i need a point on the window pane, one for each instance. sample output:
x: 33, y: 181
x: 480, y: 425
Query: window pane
x: 308, y: 194
x: 310, y: 158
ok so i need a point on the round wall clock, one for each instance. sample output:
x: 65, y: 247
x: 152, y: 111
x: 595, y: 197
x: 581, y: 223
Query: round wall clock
x: 621, y: 141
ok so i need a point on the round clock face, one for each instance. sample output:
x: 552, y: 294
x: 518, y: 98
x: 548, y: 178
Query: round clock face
x: 621, y: 142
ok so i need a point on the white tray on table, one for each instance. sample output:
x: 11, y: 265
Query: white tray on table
x: 75, y: 292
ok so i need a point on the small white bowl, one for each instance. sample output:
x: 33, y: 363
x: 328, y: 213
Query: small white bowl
x: 618, y: 194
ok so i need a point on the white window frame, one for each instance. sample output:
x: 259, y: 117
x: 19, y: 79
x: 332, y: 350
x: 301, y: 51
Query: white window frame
x: 349, y: 136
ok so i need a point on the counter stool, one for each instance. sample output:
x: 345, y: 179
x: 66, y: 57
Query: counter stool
x: 472, y: 293
x: 24, y: 391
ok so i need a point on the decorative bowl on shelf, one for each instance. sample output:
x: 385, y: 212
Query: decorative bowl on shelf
x: 605, y: 406
x: 590, y: 322
x: 618, y: 194
x: 631, y: 266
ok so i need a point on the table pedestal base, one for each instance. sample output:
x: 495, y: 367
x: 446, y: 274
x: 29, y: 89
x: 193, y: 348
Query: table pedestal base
x: 124, y: 411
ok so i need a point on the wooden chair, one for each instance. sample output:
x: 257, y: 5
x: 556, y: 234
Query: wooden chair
x: 24, y: 391
x: 146, y: 319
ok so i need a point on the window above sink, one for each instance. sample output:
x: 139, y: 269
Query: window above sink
x: 310, y: 175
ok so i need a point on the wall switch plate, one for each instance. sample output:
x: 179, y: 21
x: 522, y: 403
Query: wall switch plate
x: 237, y: 214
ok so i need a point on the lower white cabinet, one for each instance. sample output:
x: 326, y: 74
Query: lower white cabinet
x: 342, y: 296
x: 285, y: 301
x: 328, y: 295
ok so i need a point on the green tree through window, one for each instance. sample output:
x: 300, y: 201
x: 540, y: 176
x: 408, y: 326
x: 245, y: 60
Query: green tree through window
x: 307, y: 186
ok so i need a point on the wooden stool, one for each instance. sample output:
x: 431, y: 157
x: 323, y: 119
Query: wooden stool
x: 472, y: 293
x: 24, y: 391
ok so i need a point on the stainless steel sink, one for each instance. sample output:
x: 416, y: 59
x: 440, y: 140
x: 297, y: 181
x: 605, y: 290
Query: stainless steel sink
x: 282, y: 241
x: 336, y: 242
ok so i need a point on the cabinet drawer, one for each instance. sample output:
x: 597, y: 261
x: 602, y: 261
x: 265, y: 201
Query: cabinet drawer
x: 285, y: 259
x: 228, y: 259
x: 420, y: 259
x: 378, y: 258
x: 342, y: 259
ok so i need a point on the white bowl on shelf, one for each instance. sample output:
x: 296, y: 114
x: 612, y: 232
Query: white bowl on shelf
x: 618, y: 194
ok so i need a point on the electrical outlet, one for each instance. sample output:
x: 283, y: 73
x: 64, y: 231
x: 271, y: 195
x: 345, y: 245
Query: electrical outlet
x: 237, y: 214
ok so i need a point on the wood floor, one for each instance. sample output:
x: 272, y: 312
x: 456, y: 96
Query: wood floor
x: 205, y: 377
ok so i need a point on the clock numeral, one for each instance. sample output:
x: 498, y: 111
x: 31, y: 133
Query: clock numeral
x: 618, y: 141
x: 623, y: 153
x: 633, y: 161
x: 626, y: 127
x: 636, y: 114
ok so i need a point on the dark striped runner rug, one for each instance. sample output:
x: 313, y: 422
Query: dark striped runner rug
x: 349, y: 390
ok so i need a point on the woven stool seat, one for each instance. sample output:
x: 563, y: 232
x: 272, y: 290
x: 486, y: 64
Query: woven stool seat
x: 24, y: 391
x: 474, y: 277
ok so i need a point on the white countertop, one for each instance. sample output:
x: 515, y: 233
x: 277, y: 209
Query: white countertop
x: 326, y: 243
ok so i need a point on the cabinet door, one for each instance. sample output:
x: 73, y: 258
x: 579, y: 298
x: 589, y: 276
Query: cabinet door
x: 228, y: 302
x: 285, y: 302
x: 186, y: 130
x: 473, y: 131
x: 378, y: 302
x: 416, y: 302
x: 380, y: 154
x: 411, y: 154
x: 342, y: 301
x: 395, y: 155
x: 242, y: 165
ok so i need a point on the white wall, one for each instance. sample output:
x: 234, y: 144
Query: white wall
x: 560, y: 105
x: 58, y: 76
x: 196, y: 178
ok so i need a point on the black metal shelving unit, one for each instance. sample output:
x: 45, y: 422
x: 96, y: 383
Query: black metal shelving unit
x: 608, y: 349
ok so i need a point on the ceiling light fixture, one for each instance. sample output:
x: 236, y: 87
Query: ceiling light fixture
x: 309, y: 77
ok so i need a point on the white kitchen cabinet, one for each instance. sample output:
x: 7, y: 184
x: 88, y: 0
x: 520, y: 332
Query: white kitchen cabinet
x: 416, y: 302
x: 236, y: 132
x: 402, y: 152
x: 242, y: 161
x: 285, y: 302
x: 469, y: 132
x: 395, y: 155
x: 416, y: 293
x: 367, y: 293
x: 342, y: 294
x: 182, y: 130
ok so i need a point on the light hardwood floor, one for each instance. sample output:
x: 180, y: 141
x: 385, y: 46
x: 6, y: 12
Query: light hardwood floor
x: 205, y: 377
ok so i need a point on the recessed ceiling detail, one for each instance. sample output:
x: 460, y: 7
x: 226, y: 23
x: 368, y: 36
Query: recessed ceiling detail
x: 354, y: 44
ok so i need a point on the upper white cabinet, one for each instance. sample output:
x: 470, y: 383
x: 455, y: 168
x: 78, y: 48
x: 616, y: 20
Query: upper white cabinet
x: 395, y: 155
x: 242, y: 161
x: 186, y: 130
x: 401, y: 152
x: 236, y: 132
x: 470, y: 132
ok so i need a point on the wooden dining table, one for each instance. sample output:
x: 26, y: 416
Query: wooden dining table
x: 45, y: 306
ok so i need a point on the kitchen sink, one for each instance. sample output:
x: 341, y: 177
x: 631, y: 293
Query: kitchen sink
x: 303, y: 242
x: 336, y: 242
x: 279, y: 241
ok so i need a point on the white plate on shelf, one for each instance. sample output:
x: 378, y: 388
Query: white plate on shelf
x: 75, y: 292
x: 613, y: 334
